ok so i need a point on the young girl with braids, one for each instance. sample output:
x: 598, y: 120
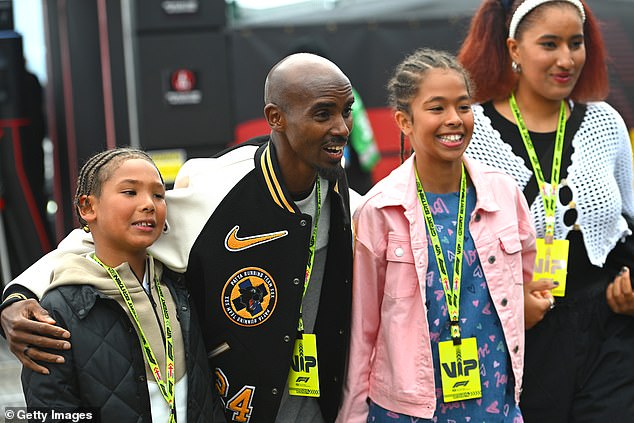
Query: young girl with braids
x: 443, y: 248
x: 137, y: 354
x: 540, y: 69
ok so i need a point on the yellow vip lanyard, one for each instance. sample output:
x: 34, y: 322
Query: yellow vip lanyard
x: 166, y: 387
x: 548, y: 196
x: 452, y: 292
x: 311, y: 253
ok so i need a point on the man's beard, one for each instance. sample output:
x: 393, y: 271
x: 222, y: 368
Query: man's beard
x: 332, y: 174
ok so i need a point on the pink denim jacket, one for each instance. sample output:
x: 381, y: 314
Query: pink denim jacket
x: 390, y: 352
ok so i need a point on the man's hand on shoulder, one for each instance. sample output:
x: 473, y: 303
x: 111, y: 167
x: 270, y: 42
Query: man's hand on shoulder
x: 28, y: 327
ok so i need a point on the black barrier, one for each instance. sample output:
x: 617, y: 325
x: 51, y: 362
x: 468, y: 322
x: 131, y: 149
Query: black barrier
x: 6, y: 15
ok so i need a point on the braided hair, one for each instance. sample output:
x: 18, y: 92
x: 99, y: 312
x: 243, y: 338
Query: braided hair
x: 98, y: 169
x: 404, y: 84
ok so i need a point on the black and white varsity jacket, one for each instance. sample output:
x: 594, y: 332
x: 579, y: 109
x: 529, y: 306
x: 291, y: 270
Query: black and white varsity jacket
x: 245, y: 233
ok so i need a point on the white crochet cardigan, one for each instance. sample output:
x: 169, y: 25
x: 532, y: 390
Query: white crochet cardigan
x: 600, y: 176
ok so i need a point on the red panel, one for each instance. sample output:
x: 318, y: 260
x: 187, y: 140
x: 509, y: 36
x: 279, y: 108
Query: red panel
x: 249, y: 129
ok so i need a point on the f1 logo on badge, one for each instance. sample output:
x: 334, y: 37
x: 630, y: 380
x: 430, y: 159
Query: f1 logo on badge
x: 302, y: 379
x: 459, y: 384
x: 459, y: 369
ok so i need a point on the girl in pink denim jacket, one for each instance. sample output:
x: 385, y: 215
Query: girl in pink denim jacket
x: 435, y: 338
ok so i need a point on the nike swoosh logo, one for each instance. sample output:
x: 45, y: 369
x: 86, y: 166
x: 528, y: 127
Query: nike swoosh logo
x: 235, y: 243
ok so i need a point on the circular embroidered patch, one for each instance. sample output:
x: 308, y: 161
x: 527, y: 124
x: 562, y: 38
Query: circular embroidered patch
x: 249, y: 296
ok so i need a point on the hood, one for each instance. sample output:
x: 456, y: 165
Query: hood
x: 74, y: 269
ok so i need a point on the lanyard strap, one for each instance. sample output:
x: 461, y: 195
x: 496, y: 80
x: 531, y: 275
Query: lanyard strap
x: 166, y: 387
x: 311, y: 253
x: 548, y: 196
x: 452, y: 292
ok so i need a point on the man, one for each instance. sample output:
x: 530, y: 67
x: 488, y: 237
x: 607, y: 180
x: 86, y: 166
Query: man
x: 263, y: 231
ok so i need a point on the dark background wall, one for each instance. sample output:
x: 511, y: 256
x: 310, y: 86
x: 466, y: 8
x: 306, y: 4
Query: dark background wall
x: 367, y: 51
x: 111, y: 65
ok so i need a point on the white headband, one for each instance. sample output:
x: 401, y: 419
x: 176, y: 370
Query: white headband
x: 529, y: 5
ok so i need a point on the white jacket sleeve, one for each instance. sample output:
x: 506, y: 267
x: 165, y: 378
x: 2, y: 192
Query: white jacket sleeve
x: 37, y: 277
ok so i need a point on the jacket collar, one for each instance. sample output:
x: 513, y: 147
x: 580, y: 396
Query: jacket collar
x: 403, y: 191
x: 484, y: 190
x: 267, y: 165
x: 81, y: 298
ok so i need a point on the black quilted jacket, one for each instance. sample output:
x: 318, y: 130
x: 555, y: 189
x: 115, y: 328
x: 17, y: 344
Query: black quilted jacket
x: 119, y: 390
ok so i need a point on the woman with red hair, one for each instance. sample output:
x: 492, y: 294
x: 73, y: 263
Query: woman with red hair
x: 540, y: 73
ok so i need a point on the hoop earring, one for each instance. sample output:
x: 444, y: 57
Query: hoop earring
x: 86, y: 229
x: 516, y: 67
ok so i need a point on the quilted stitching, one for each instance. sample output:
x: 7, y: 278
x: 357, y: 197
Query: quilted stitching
x: 109, y: 362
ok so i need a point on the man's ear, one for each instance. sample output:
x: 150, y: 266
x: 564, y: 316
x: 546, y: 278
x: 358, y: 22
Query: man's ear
x: 403, y: 121
x: 86, y: 208
x: 274, y: 117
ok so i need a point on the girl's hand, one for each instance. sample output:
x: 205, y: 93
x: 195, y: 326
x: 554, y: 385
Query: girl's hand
x: 619, y: 293
x: 538, y: 300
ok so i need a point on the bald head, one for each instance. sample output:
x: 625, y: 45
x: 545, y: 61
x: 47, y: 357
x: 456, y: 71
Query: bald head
x: 300, y: 73
x: 309, y: 110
